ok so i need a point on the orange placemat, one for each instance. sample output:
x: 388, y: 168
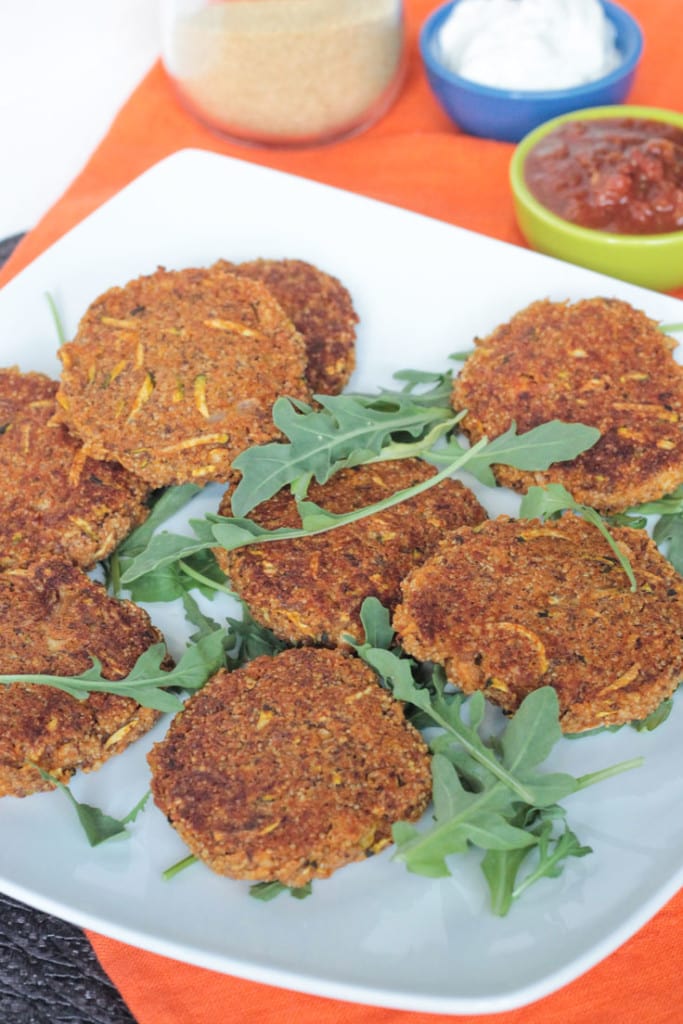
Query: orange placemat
x: 415, y: 159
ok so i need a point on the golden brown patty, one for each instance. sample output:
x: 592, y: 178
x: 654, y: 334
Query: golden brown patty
x: 290, y: 767
x: 517, y: 604
x: 53, y: 501
x: 321, y: 309
x: 312, y: 589
x: 598, y: 362
x: 53, y: 620
x: 176, y: 373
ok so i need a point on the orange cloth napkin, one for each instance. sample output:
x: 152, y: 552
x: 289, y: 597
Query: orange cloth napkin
x: 413, y: 158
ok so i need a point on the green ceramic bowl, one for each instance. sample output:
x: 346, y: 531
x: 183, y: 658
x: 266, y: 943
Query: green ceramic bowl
x: 654, y: 261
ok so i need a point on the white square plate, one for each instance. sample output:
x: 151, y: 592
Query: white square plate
x: 372, y: 933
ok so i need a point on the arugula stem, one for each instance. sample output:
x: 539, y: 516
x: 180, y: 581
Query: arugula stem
x: 411, y: 449
x: 139, y: 806
x: 480, y: 754
x: 403, y: 495
x: 179, y: 866
x: 114, y: 566
x: 545, y: 502
x: 333, y: 437
x: 59, y: 327
x: 454, y: 821
x: 606, y: 773
x: 544, y: 870
x: 594, y: 517
x: 204, y: 581
x: 311, y: 513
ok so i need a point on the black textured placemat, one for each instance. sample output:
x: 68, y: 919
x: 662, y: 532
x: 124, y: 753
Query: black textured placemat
x: 7, y: 247
x: 49, y: 973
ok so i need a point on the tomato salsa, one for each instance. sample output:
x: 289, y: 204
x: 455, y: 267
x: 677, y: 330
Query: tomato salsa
x: 623, y: 175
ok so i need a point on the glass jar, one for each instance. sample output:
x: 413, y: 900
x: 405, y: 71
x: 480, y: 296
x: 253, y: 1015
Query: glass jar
x: 284, y: 72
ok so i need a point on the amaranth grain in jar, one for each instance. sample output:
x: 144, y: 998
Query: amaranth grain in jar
x: 284, y: 72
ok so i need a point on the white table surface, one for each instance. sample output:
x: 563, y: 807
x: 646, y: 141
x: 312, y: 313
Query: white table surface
x: 66, y: 67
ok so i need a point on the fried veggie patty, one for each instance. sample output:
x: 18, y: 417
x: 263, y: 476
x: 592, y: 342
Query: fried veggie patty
x: 176, y: 373
x: 311, y: 589
x: 53, y: 621
x: 290, y: 767
x: 516, y: 604
x: 321, y: 309
x: 598, y: 362
x: 53, y: 501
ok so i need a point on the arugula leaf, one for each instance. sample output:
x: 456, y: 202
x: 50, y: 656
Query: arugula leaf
x: 345, y: 430
x: 147, y: 682
x: 460, y: 818
x: 264, y: 891
x: 166, y: 504
x: 655, y: 718
x: 97, y: 825
x: 501, y: 868
x: 165, y: 549
x: 230, y: 533
x: 668, y: 535
x: 668, y: 505
x: 173, y: 580
x: 267, y: 891
x: 487, y: 791
x: 533, y: 449
x: 198, y: 663
x: 376, y: 623
x: 438, y: 394
x: 668, y: 530
x: 248, y: 640
x: 552, y: 500
x: 537, y: 449
x: 523, y: 750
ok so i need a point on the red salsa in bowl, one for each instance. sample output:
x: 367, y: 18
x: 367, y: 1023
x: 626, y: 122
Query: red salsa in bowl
x: 617, y: 174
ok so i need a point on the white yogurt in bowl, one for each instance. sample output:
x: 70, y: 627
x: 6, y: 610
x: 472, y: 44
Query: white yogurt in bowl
x: 529, y: 45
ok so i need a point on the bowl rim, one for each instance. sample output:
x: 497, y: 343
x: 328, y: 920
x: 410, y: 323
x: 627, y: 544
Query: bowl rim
x: 614, y: 12
x: 523, y: 194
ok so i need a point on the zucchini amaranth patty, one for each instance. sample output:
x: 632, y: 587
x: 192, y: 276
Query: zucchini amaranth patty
x: 513, y: 605
x: 176, y: 373
x: 53, y: 621
x: 311, y: 589
x: 54, y: 500
x: 321, y: 309
x: 599, y: 362
x: 290, y: 767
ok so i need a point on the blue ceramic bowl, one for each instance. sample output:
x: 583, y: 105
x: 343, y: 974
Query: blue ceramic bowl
x: 509, y: 114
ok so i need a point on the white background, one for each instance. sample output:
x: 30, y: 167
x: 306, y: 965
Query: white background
x: 66, y: 67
